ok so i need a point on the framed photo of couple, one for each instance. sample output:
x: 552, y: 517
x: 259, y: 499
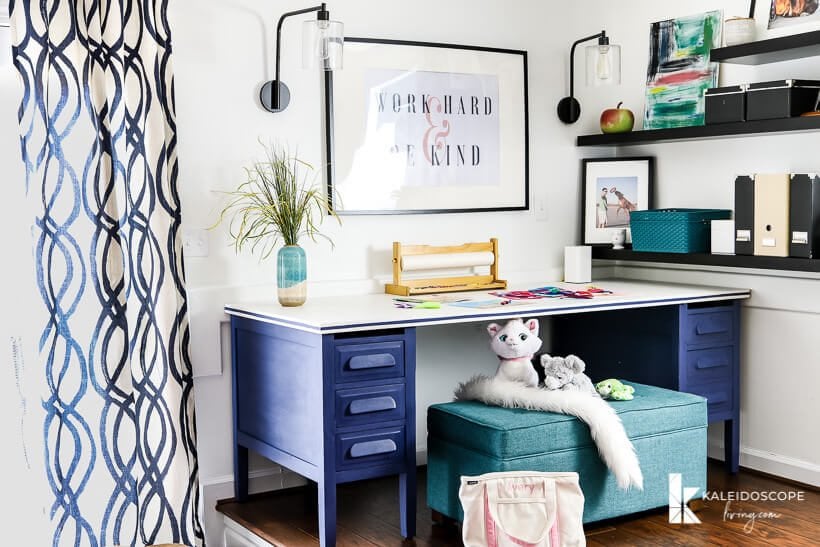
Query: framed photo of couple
x: 611, y: 189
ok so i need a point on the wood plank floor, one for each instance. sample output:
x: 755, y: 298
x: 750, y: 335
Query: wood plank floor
x: 368, y: 516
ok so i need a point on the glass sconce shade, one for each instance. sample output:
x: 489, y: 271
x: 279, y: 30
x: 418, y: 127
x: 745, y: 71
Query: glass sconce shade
x: 603, y: 65
x: 322, y: 42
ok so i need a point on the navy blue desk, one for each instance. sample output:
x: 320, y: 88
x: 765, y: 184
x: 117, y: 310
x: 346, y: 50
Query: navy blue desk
x: 328, y: 389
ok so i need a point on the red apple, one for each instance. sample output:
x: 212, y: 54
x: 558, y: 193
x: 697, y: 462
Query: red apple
x: 617, y: 120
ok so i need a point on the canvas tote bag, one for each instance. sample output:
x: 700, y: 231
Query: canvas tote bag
x: 522, y: 509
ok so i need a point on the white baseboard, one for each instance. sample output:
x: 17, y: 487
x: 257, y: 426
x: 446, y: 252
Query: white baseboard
x: 221, y: 487
x: 236, y: 535
x: 771, y: 463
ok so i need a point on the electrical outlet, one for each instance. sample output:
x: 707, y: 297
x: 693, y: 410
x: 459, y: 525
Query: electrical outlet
x: 195, y: 242
x: 541, y: 209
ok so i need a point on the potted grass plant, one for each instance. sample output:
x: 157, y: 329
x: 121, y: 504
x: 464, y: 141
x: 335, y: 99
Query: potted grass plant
x: 277, y: 203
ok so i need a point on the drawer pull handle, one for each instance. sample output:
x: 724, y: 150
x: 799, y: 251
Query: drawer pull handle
x: 374, y: 360
x: 372, y: 448
x: 711, y: 362
x: 710, y: 328
x: 373, y: 404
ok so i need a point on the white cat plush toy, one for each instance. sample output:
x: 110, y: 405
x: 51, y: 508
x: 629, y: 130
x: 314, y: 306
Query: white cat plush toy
x: 515, y: 344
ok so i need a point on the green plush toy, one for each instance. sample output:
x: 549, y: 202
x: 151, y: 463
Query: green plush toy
x: 615, y: 390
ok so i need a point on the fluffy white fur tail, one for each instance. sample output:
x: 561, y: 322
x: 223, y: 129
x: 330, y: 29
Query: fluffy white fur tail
x: 605, y: 426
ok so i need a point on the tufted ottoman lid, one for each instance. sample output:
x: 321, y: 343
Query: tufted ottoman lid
x: 512, y: 432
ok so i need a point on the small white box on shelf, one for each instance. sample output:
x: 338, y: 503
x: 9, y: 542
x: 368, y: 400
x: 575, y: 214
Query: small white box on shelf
x: 723, y: 237
x: 578, y: 264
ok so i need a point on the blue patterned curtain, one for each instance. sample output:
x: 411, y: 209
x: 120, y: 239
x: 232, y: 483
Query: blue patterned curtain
x: 98, y: 139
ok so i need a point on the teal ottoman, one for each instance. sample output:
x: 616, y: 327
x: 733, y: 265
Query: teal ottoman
x: 667, y: 428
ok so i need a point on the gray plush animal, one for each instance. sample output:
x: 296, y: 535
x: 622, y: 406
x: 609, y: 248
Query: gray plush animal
x: 566, y: 373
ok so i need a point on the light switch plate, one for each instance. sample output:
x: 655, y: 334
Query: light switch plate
x: 195, y: 242
x: 541, y: 209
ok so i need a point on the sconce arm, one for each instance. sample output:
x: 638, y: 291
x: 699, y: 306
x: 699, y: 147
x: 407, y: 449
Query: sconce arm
x: 601, y: 37
x: 322, y: 9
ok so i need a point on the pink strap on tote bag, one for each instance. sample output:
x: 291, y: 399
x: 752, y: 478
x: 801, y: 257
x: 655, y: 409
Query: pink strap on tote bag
x: 522, y: 509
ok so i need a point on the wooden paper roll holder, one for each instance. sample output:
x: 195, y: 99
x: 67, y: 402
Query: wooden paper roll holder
x: 409, y: 287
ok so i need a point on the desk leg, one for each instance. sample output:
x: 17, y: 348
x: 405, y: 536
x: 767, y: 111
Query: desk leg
x: 311, y: 496
x: 407, y: 502
x: 731, y: 444
x: 327, y: 513
x: 240, y: 472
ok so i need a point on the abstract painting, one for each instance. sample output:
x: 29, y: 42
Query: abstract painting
x: 788, y: 12
x: 680, y: 70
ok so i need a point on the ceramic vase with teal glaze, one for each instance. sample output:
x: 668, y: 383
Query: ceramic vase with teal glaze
x: 291, y: 275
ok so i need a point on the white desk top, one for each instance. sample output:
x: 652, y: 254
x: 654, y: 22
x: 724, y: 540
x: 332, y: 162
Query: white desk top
x: 333, y: 314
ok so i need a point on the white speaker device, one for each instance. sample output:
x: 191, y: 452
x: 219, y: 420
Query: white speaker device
x: 723, y: 237
x: 578, y: 264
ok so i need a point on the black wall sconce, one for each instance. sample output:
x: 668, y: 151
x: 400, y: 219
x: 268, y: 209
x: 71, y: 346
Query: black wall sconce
x: 603, y: 68
x: 322, y: 41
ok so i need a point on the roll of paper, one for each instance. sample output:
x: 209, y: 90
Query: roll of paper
x: 578, y: 264
x: 446, y: 260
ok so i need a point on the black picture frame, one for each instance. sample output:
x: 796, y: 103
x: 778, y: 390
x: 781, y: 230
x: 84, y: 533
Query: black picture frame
x: 600, y: 173
x: 473, y: 61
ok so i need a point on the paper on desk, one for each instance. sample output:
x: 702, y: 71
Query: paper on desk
x: 488, y: 304
x: 443, y: 298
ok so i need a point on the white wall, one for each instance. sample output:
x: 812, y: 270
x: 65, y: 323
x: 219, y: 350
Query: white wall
x: 223, y: 51
x: 22, y: 514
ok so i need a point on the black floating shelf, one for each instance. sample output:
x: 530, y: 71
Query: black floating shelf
x: 706, y: 259
x: 785, y: 48
x: 698, y: 132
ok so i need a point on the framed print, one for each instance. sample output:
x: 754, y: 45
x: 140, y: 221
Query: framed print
x: 784, y: 13
x: 611, y: 189
x: 428, y: 128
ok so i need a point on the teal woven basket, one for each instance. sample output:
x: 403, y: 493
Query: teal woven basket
x: 673, y: 230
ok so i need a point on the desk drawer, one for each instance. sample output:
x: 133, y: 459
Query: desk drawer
x: 370, y: 361
x: 719, y: 396
x: 709, y: 365
x: 709, y: 329
x: 369, y: 405
x: 382, y: 447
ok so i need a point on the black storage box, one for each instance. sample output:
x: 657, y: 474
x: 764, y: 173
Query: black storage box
x: 781, y: 99
x: 726, y: 104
